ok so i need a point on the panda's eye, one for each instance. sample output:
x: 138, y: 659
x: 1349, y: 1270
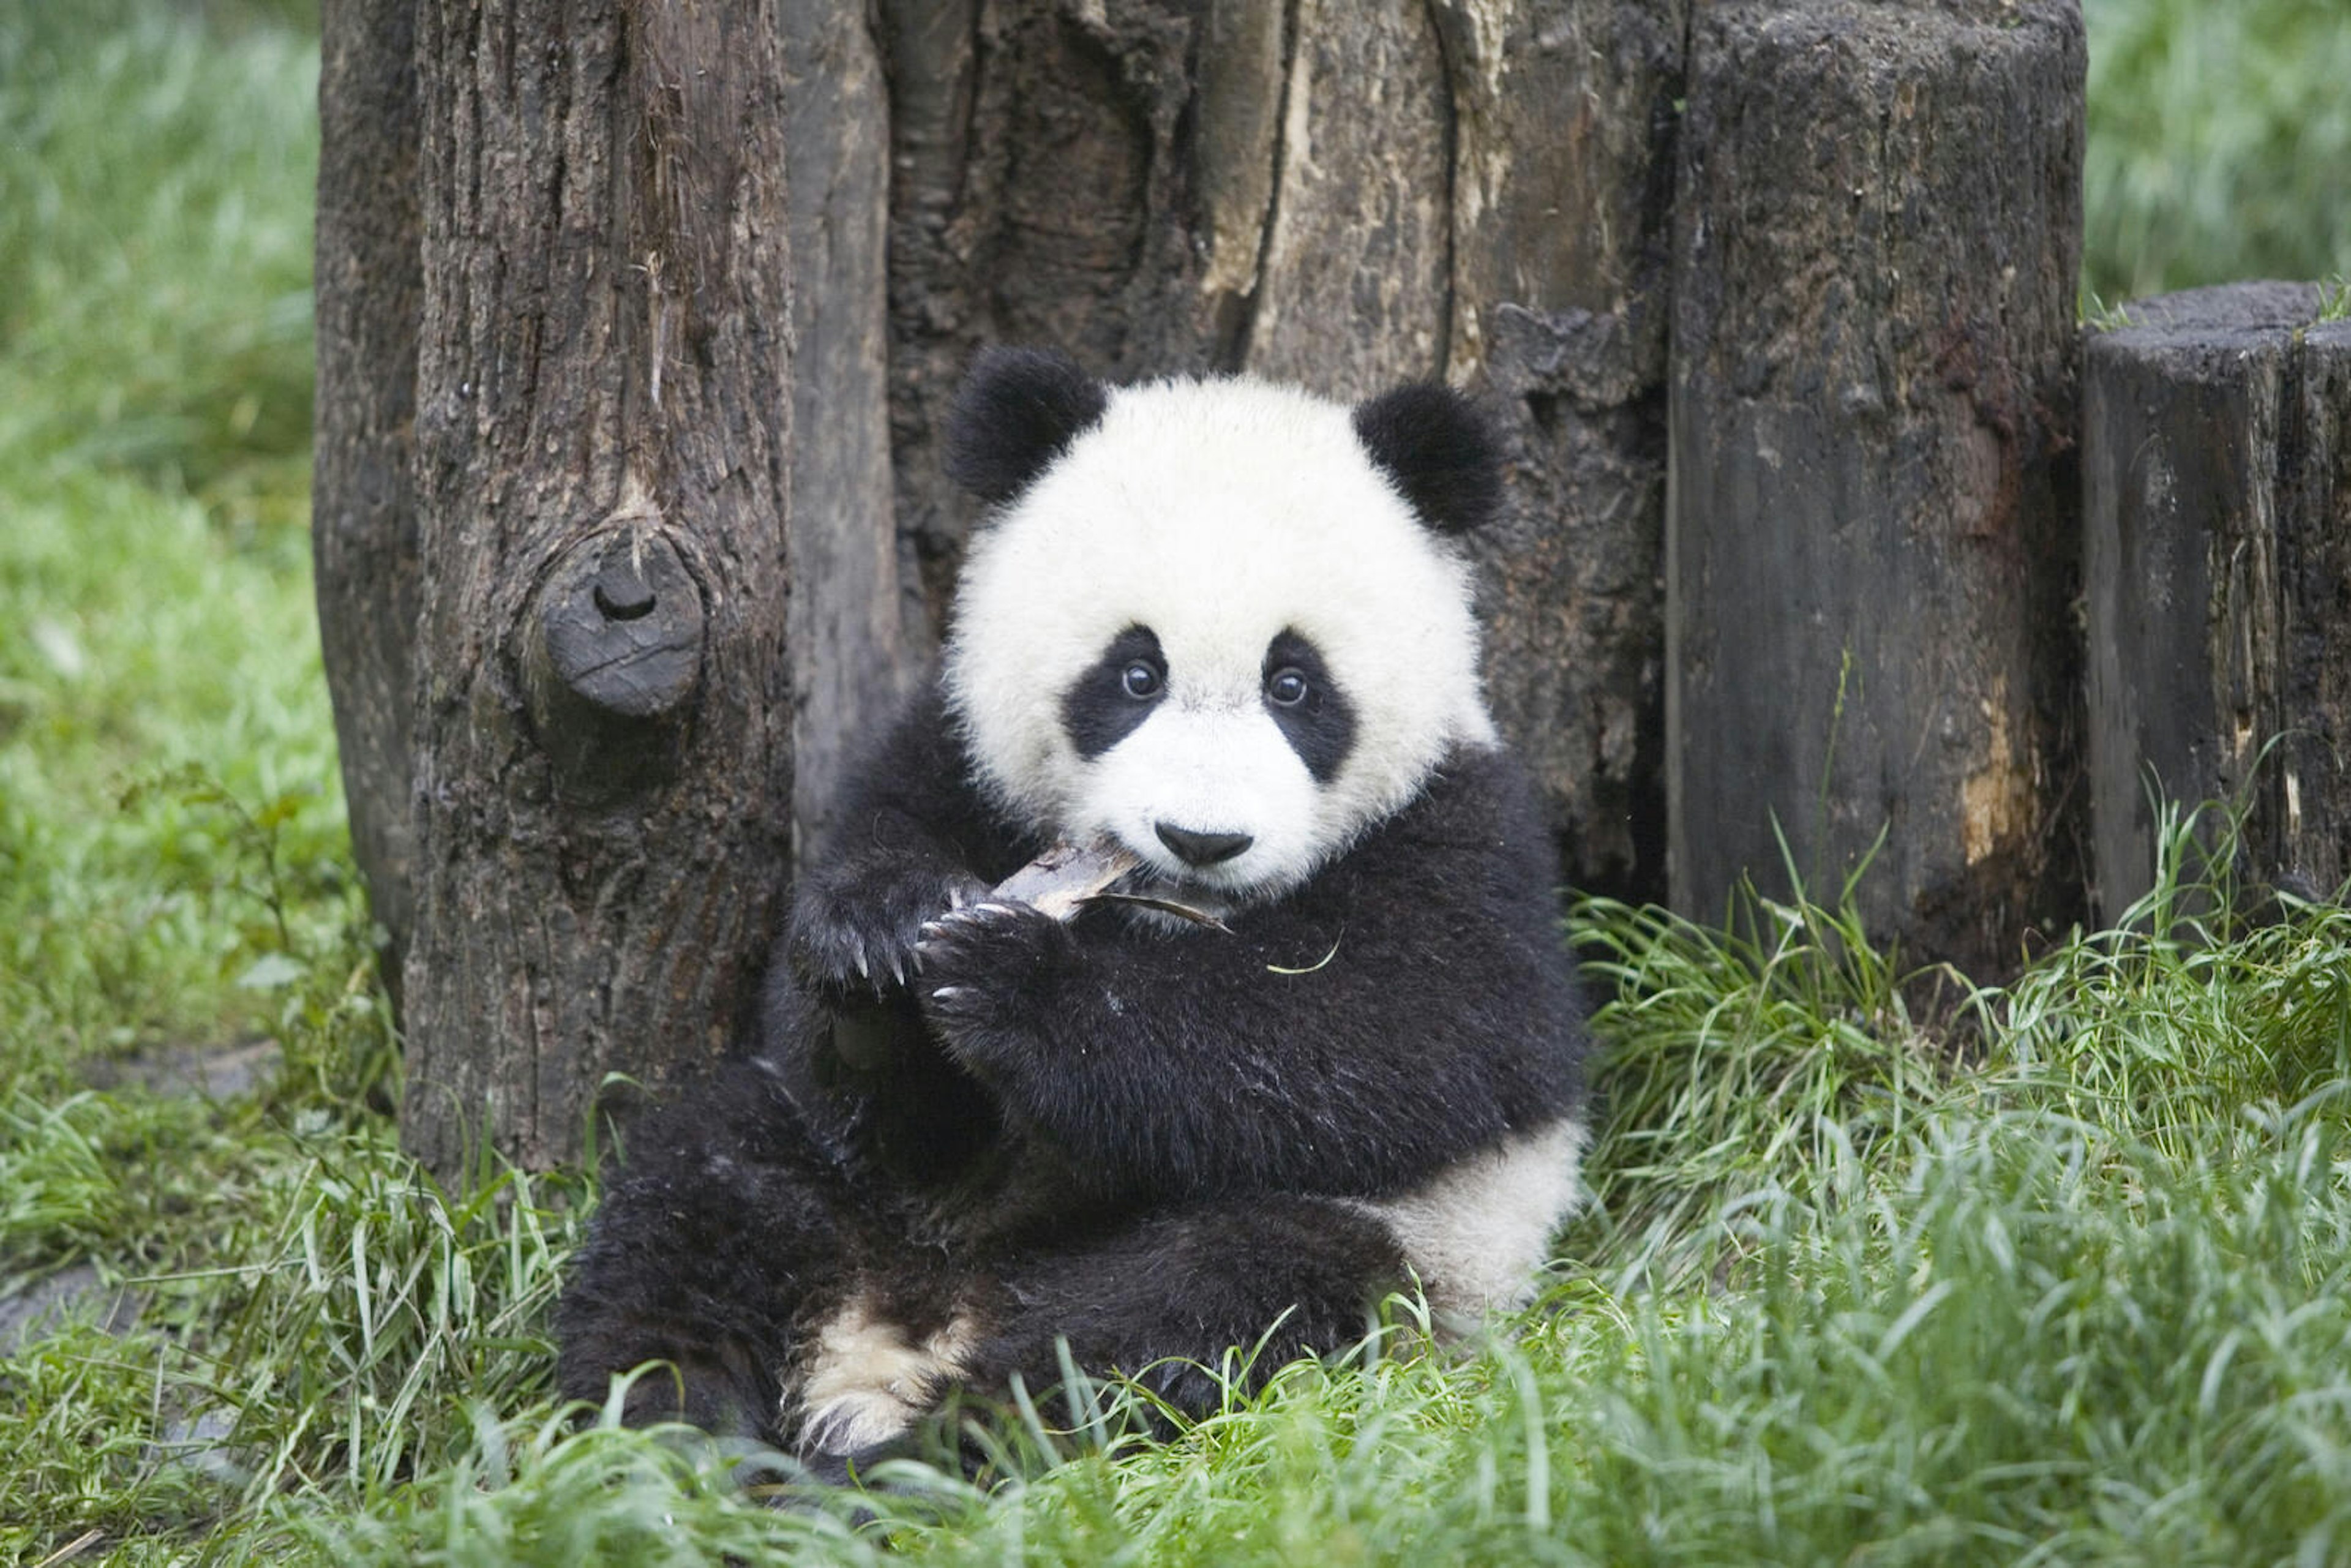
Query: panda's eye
x: 1140, y: 680
x: 1287, y: 688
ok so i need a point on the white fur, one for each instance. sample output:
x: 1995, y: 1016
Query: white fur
x: 1212, y: 771
x: 1476, y: 1233
x: 867, y: 1382
x: 1218, y: 514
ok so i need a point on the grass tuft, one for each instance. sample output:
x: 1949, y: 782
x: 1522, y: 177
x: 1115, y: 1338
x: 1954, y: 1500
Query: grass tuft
x: 2186, y: 1013
x: 1762, y: 1056
x: 2334, y: 298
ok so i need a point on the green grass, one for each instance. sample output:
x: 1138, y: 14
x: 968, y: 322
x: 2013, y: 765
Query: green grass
x: 1881, y: 1269
x: 2220, y: 144
x: 154, y: 437
x: 155, y: 266
x: 2087, y: 1300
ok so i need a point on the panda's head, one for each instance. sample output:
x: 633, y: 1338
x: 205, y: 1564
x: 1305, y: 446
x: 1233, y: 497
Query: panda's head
x: 1222, y: 623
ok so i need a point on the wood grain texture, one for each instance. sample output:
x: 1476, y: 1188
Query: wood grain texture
x: 369, y: 291
x: 1352, y: 299
x: 1564, y: 133
x: 2312, y: 804
x: 602, y: 368
x: 2217, y: 494
x: 858, y: 636
x: 1870, y: 524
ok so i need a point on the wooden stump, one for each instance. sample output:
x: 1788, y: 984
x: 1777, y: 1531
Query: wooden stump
x: 1871, y: 522
x: 852, y: 650
x: 1564, y: 123
x: 2313, y: 809
x: 2217, y: 481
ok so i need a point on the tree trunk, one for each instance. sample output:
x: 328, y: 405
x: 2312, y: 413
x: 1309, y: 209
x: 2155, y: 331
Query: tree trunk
x: 2217, y: 487
x: 604, y: 710
x: 362, y: 501
x: 1350, y: 197
x: 852, y: 650
x: 1564, y: 130
x: 1872, y: 526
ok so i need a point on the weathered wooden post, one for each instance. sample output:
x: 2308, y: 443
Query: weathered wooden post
x: 1871, y: 521
x: 1563, y: 131
x: 2217, y: 478
x: 852, y: 647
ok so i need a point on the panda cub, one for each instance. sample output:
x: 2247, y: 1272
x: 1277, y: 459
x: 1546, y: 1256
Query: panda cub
x: 1225, y: 627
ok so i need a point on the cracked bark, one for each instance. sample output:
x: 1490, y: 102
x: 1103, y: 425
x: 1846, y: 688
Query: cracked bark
x: 602, y: 699
x: 1565, y: 128
x: 362, y: 497
x: 855, y: 636
x: 1350, y: 197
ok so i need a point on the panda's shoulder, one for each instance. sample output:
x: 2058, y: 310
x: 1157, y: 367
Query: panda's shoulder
x: 1472, y: 837
x: 1477, y: 798
x: 919, y: 761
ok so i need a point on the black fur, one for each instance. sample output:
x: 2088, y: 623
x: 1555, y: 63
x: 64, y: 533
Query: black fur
x: 1017, y: 412
x: 1151, y: 1298
x: 1188, y: 1066
x: 1126, y: 1136
x: 1098, y: 711
x: 1322, y: 726
x: 1439, y: 452
x: 706, y: 1252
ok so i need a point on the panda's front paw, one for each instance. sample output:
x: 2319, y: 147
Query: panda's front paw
x: 855, y: 933
x: 988, y: 971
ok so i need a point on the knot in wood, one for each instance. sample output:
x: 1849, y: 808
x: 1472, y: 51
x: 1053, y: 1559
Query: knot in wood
x: 612, y: 660
x: 623, y: 624
x: 622, y: 592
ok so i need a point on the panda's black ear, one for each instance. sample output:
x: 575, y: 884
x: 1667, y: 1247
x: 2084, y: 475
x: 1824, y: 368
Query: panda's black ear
x: 1016, y: 412
x: 1438, y: 449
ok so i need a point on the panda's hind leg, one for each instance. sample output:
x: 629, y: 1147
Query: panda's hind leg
x: 873, y: 1369
x: 711, y: 1250
x: 1164, y: 1298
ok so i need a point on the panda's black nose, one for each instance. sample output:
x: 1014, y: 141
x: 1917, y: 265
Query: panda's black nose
x: 1203, y: 849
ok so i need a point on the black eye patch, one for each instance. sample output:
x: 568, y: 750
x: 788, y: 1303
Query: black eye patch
x: 1317, y: 721
x: 1116, y: 693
